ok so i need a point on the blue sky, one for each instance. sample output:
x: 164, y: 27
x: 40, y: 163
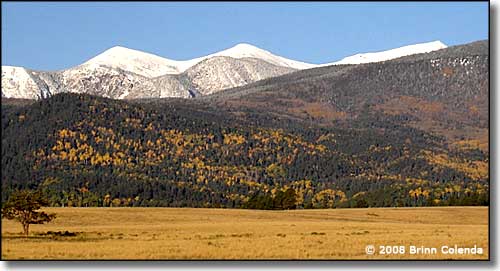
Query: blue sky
x: 54, y: 35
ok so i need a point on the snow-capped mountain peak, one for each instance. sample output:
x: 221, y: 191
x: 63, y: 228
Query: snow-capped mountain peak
x: 142, y: 63
x: 391, y: 54
x: 123, y: 73
x: 150, y: 65
x: 244, y: 50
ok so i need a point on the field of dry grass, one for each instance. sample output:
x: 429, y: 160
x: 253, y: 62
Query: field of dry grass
x: 175, y: 233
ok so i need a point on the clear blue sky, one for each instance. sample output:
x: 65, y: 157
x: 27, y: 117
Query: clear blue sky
x: 52, y: 36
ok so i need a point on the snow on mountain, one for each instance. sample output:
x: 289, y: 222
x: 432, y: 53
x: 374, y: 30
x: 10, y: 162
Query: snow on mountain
x: 244, y: 50
x: 117, y: 83
x: 135, y: 61
x: 150, y: 65
x: 220, y: 72
x: 18, y: 83
x: 123, y: 73
x: 390, y: 54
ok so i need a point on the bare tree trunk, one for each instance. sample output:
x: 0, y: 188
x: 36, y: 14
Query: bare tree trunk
x: 26, y: 229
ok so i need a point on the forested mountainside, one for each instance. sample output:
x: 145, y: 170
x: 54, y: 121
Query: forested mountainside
x: 444, y: 92
x: 90, y: 151
x: 407, y: 132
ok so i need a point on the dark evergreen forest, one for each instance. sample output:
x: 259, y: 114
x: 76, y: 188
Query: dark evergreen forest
x: 84, y: 150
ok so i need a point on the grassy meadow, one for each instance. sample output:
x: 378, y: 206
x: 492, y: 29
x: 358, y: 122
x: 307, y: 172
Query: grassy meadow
x: 187, y: 233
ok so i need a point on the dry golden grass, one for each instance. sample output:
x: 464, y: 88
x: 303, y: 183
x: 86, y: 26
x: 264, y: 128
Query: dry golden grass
x: 175, y: 233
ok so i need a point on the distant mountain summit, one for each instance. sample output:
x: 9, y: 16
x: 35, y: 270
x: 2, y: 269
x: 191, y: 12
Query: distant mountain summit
x: 244, y: 50
x: 390, y: 54
x: 123, y: 73
x: 150, y: 65
x: 135, y: 61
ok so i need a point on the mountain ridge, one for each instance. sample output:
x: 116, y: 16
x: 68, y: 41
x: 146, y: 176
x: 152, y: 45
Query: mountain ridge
x: 379, y: 56
x: 129, y: 73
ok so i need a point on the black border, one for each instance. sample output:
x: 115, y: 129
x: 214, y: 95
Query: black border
x: 124, y: 263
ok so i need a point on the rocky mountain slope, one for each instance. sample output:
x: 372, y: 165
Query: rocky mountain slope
x: 218, y: 73
x: 122, y: 73
x: 211, y: 75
